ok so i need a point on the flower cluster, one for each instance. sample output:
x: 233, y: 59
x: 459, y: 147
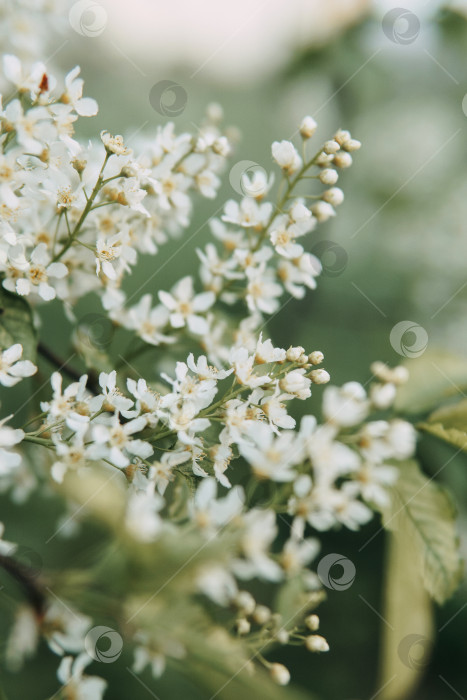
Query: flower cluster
x: 74, y: 218
x: 205, y: 450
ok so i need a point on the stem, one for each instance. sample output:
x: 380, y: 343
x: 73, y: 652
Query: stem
x: 58, y: 362
x: 85, y: 211
x: 63, y: 366
x: 24, y: 576
x: 286, y: 196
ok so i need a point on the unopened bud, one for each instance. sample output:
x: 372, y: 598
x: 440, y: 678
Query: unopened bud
x: 342, y: 160
x: 315, y: 642
x: 316, y: 357
x: 243, y: 626
x: 294, y: 354
x: 279, y: 674
x: 262, y: 614
x: 312, y: 622
x: 328, y: 176
x: 308, y: 127
x: 331, y: 146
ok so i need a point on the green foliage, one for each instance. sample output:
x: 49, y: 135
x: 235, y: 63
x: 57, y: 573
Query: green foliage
x: 434, y: 376
x: 449, y: 424
x: 16, y: 325
x: 422, y: 513
x: 407, y: 613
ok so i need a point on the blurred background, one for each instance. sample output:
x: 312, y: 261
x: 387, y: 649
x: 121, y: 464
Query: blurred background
x: 397, y: 251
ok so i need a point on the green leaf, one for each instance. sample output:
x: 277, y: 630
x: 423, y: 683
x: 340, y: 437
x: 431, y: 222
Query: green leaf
x: 434, y: 377
x: 422, y: 512
x: 16, y: 324
x: 449, y: 424
x: 407, y: 631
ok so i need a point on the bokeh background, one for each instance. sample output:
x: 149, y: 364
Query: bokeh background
x: 397, y: 251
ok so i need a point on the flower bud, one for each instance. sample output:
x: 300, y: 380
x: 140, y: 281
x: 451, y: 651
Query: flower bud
x: 324, y: 159
x: 382, y: 395
x: 79, y: 165
x: 334, y: 196
x: 351, y: 145
x: 243, y: 626
x: 282, y: 636
x: 320, y: 376
x: 245, y: 602
x: 316, y: 357
x: 342, y: 160
x: 328, y: 176
x: 315, y: 642
x: 308, y: 127
x: 296, y: 383
x: 214, y: 112
x: 312, y: 622
x: 323, y: 211
x: 279, y: 674
x: 262, y: 614
x: 286, y: 156
x: 342, y: 136
x: 293, y: 354
x: 331, y: 146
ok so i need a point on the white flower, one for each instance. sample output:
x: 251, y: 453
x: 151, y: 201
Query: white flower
x: 300, y: 273
x: 260, y: 532
x: 39, y: 270
x: 283, y: 238
x: 271, y: 457
x: 258, y: 185
x: 217, y: 584
x: 262, y: 290
x: 266, y: 352
x: 5, y: 547
x: 286, y: 156
x: 185, y: 307
x: 149, y: 322
x: 114, y: 144
x: 298, y: 553
x: 243, y: 365
x: 330, y: 458
x: 70, y: 673
x: 84, y: 106
x: 71, y: 405
x: 401, y: 437
x: 161, y: 473
x: 374, y: 481
x: 276, y: 412
x: 382, y: 395
x: 296, y: 384
x: 111, y: 397
x: 8, y: 438
x: 114, y: 441
x: 142, y: 519
x: 35, y: 82
x: 114, y: 255
x: 345, y: 406
x: 205, y: 371
x: 12, y: 368
x: 221, y: 455
x: 211, y: 513
x: 248, y: 214
x: 71, y: 456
